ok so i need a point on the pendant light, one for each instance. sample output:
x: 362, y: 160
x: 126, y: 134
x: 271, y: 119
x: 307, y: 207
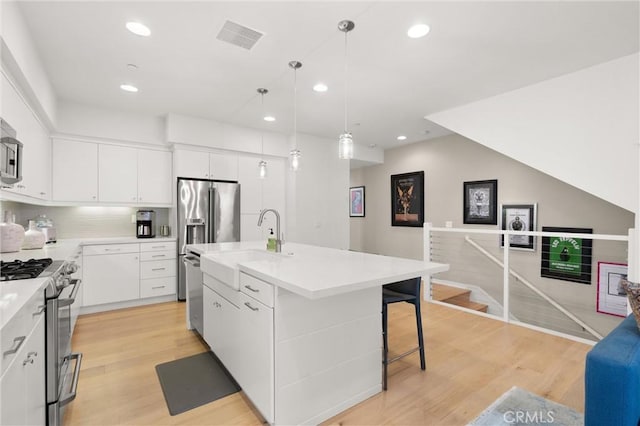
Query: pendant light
x: 294, y: 154
x: 345, y: 142
x: 262, y: 165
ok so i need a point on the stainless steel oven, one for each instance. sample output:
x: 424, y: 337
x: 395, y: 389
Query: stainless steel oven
x: 62, y: 365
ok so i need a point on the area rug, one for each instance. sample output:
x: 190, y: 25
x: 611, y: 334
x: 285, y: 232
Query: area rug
x: 193, y: 381
x: 519, y: 407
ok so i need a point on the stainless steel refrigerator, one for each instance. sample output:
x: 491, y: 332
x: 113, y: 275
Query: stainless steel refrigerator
x: 208, y: 212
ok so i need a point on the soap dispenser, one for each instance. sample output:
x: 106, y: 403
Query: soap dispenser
x: 271, y: 241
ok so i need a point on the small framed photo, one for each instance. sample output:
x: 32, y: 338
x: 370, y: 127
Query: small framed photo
x: 356, y: 204
x: 566, y: 258
x: 407, y: 199
x: 519, y: 217
x: 480, y: 202
x: 612, y: 299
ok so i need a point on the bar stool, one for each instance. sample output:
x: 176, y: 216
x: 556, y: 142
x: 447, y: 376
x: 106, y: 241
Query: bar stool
x: 401, y: 291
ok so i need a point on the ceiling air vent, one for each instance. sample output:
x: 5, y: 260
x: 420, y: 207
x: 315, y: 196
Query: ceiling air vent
x: 239, y: 35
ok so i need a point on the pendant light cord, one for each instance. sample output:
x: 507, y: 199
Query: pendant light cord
x: 262, y: 132
x: 295, y: 108
x: 346, y: 83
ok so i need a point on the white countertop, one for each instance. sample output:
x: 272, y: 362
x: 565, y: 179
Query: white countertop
x: 14, y: 294
x: 62, y: 249
x: 316, y: 272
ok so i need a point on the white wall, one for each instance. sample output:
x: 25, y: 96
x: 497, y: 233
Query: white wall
x: 184, y: 129
x: 318, y: 195
x: 21, y: 59
x: 106, y: 124
x: 582, y: 128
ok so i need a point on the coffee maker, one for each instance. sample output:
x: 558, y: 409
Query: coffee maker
x: 145, y: 223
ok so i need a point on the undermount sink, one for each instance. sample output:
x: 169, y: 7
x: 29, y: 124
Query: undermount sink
x: 223, y: 265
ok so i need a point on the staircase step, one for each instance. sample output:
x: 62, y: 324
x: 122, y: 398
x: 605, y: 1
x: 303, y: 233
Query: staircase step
x: 445, y: 293
x: 456, y: 296
x: 481, y: 307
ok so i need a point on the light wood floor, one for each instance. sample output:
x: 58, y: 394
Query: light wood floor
x: 470, y: 362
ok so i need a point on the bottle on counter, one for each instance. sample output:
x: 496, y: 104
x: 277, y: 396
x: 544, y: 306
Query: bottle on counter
x: 34, y: 238
x: 11, y: 234
x: 271, y: 241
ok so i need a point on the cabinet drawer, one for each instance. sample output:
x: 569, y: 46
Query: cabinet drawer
x: 157, y: 269
x: 110, y: 249
x: 257, y: 289
x: 157, y: 255
x: 157, y: 287
x: 159, y: 246
x: 15, y: 333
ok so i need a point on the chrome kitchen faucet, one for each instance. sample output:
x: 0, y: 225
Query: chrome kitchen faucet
x: 278, y: 237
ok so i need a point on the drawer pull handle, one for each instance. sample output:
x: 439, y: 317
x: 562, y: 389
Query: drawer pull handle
x: 248, y: 305
x: 13, y: 350
x: 158, y: 247
x: 41, y: 309
x: 158, y: 286
x: 158, y: 255
x: 158, y: 269
x: 108, y: 249
x: 255, y: 290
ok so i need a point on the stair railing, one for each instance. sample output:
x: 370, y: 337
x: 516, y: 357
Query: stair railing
x: 507, y: 272
x: 533, y: 288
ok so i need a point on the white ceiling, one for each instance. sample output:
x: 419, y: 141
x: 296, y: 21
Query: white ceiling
x: 475, y: 50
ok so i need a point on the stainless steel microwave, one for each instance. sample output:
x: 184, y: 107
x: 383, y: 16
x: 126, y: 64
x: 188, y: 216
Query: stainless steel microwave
x: 10, y: 155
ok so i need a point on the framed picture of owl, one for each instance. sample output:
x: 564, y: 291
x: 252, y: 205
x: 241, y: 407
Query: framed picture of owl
x: 565, y: 257
x: 407, y: 199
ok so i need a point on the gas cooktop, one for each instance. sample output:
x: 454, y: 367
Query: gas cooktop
x: 23, y: 269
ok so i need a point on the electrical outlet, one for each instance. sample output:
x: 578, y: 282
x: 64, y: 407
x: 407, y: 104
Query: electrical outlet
x: 133, y: 218
x: 448, y: 224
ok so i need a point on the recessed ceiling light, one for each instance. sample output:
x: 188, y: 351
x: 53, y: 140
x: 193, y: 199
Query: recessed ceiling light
x: 138, y: 29
x: 128, y: 88
x: 132, y: 67
x: 269, y: 118
x: 419, y: 30
x: 401, y: 138
x: 320, y: 87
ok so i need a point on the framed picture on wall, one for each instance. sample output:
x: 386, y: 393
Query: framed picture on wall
x: 612, y: 298
x: 407, y: 199
x: 356, y: 201
x: 566, y: 258
x: 519, y: 217
x: 480, y: 201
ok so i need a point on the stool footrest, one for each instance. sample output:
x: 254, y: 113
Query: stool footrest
x: 409, y: 352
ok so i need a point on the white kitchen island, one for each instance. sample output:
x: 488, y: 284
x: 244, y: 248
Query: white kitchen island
x: 300, y: 330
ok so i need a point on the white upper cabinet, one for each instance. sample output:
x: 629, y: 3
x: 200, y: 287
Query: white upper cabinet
x: 257, y: 194
x: 154, y: 177
x: 223, y: 166
x: 250, y: 185
x: 204, y: 165
x: 192, y: 164
x: 75, y: 171
x: 90, y: 172
x: 36, y: 165
x: 118, y: 174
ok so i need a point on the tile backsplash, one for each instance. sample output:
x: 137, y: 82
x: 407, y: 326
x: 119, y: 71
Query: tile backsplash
x: 85, y: 221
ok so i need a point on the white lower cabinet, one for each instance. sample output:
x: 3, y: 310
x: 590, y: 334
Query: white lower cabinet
x: 255, y: 354
x: 110, y: 278
x: 281, y: 347
x: 239, y: 330
x: 115, y: 273
x: 157, y: 269
x: 22, y: 386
